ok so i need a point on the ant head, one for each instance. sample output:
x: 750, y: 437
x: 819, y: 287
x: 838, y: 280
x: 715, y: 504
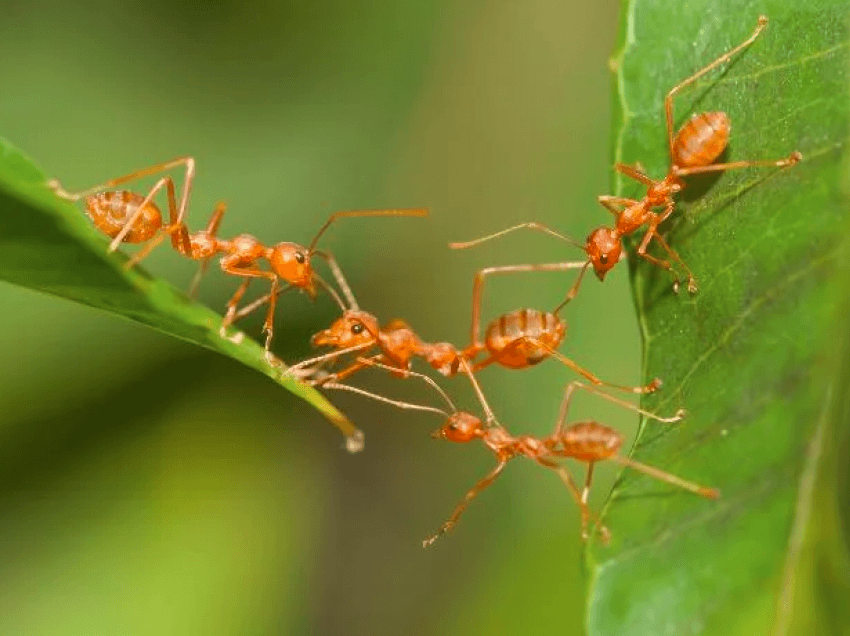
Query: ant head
x: 461, y: 427
x: 291, y: 262
x: 352, y: 329
x: 604, y: 248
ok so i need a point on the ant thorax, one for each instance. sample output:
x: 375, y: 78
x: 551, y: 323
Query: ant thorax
x: 245, y: 249
x: 531, y: 446
x: 203, y: 245
x: 632, y: 218
x: 400, y: 344
x: 500, y: 441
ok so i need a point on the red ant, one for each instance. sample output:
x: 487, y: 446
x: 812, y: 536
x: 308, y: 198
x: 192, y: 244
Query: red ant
x: 693, y: 150
x: 588, y: 441
x: 127, y: 216
x: 516, y: 340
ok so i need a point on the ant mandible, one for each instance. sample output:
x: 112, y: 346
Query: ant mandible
x: 588, y: 442
x: 693, y: 150
x: 129, y: 217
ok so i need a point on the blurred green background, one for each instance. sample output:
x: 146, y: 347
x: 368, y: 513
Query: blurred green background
x: 150, y: 487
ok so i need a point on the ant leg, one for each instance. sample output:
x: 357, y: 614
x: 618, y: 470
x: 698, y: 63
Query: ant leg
x: 262, y: 300
x: 147, y: 249
x: 372, y: 362
x: 577, y: 384
x: 586, y: 513
x: 212, y: 230
x: 641, y: 251
x: 232, y: 304
x: 215, y: 218
x: 533, y: 225
x: 649, y: 388
x: 354, y: 367
x: 483, y: 364
x: 573, y: 290
x: 588, y: 479
x: 692, y: 282
x: 615, y: 205
x: 471, y: 494
x: 478, y: 285
x: 189, y: 162
x: 196, y: 279
x: 655, y: 473
x: 178, y: 231
x: 380, y: 398
x: 268, y: 325
x: 633, y: 172
x: 790, y: 160
x: 248, y: 273
x: 668, y: 101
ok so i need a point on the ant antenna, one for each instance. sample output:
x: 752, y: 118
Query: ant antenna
x: 330, y: 290
x: 531, y: 226
x: 340, y: 279
x: 360, y: 213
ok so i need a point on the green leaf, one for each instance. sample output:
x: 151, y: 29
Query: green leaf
x: 754, y: 355
x: 47, y: 244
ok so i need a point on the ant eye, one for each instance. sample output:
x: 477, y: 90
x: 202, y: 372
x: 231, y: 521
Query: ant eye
x: 299, y: 256
x: 603, y: 259
x: 357, y: 328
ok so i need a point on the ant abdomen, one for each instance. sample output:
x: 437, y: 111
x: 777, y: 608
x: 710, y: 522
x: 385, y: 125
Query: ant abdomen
x: 590, y: 441
x: 701, y: 140
x: 110, y: 211
x: 509, y: 337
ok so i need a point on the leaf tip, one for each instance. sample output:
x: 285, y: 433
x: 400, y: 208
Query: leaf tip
x: 354, y: 442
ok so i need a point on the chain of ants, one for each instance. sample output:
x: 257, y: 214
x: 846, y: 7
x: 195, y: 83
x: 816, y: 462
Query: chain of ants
x: 516, y: 340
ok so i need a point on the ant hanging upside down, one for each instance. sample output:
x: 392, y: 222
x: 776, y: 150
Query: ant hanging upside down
x: 693, y: 150
x: 128, y: 217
